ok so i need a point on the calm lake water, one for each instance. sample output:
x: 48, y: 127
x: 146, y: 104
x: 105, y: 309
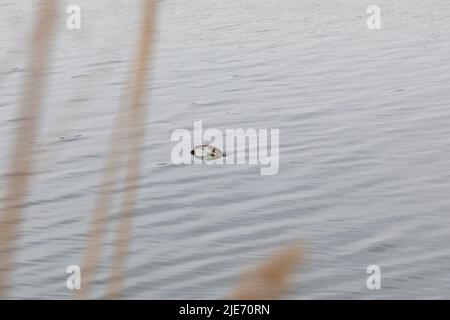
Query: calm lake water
x: 364, y: 120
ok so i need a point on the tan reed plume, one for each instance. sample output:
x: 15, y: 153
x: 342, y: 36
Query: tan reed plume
x: 21, y: 166
x: 131, y: 120
x: 272, y: 278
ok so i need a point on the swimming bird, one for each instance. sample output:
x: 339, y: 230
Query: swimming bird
x: 207, y: 152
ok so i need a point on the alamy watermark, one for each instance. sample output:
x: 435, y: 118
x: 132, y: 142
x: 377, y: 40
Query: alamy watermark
x: 374, y: 20
x: 251, y: 146
x: 73, y: 282
x: 374, y: 280
x: 74, y: 20
x: 73, y: 12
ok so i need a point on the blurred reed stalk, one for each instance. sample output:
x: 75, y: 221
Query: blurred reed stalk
x: 272, y: 278
x: 130, y: 126
x: 22, y: 159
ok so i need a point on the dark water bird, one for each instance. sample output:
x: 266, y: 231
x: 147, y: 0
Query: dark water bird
x: 207, y: 152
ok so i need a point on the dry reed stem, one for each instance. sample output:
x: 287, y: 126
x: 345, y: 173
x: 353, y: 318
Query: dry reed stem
x: 138, y: 115
x: 100, y: 213
x: 103, y: 202
x: 271, y: 279
x: 21, y: 166
x: 129, y: 121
